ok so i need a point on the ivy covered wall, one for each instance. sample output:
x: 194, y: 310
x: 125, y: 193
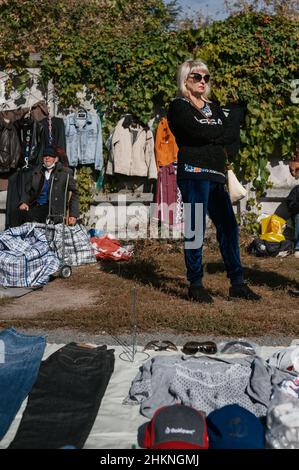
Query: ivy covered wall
x: 126, y: 55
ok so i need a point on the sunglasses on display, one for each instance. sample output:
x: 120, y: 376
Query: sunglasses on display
x: 206, y: 347
x: 238, y: 346
x: 197, y: 77
x: 161, y: 346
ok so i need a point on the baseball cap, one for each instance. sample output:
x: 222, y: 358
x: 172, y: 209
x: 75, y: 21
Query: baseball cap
x: 234, y: 427
x: 175, y: 427
x: 49, y: 151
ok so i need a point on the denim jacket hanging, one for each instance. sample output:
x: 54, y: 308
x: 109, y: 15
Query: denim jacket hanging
x: 84, y: 140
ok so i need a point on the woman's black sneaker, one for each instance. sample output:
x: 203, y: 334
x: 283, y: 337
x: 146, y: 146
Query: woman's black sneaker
x: 242, y: 291
x: 200, y: 294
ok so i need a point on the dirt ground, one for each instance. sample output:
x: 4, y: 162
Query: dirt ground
x: 97, y: 298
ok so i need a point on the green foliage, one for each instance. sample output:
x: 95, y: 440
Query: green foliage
x: 86, y: 188
x: 123, y: 76
x: 54, y: 25
x: 126, y: 55
x: 253, y: 58
x: 249, y: 219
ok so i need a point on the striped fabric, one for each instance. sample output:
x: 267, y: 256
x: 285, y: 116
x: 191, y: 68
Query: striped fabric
x: 29, y: 254
x: 26, y: 259
x: 77, y: 246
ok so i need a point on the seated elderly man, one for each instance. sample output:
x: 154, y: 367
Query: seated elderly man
x: 48, y: 191
x: 293, y: 198
x: 293, y: 205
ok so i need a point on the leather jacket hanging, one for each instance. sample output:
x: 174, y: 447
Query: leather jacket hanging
x: 10, y: 148
x: 30, y: 133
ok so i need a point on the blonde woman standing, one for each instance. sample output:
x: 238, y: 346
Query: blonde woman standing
x: 202, y: 131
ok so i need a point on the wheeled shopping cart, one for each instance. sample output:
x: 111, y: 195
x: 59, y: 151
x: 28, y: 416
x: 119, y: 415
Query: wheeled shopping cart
x: 65, y: 269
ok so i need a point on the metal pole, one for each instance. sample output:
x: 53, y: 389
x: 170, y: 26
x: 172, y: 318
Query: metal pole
x: 64, y: 219
x: 133, y: 322
x: 143, y: 354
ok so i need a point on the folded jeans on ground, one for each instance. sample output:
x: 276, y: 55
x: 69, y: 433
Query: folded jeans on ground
x: 20, y: 359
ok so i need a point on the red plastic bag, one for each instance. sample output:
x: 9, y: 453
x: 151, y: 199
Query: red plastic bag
x: 107, y: 247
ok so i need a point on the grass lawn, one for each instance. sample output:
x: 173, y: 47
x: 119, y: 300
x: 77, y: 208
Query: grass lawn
x: 157, y: 271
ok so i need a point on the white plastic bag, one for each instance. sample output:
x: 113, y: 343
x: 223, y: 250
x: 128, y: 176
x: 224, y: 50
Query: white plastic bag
x: 283, y: 419
x: 235, y: 189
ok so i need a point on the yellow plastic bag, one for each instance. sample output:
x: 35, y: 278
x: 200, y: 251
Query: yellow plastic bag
x: 272, y: 228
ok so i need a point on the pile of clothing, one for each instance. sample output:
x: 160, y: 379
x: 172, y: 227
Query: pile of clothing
x: 59, y: 412
x: 219, y: 402
x: 271, y: 241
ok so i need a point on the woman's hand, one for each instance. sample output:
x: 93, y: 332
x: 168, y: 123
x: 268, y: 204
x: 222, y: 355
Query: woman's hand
x: 72, y: 220
x: 24, y: 207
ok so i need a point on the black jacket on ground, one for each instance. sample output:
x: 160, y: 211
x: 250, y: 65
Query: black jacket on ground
x: 201, y: 141
x: 293, y: 201
x: 57, y: 185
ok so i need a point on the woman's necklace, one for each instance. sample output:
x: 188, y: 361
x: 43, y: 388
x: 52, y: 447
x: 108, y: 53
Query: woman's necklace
x: 205, y: 110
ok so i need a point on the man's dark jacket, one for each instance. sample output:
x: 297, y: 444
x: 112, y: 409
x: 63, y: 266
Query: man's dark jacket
x: 293, y: 201
x: 57, y: 185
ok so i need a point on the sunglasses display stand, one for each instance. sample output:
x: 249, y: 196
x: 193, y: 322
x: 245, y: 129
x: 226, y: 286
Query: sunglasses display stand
x: 130, y: 353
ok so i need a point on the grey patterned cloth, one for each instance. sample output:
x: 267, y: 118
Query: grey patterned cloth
x: 26, y: 259
x: 205, y: 383
x: 212, y: 387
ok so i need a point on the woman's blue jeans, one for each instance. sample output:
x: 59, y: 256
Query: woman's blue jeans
x: 216, y: 202
x: 21, y: 356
